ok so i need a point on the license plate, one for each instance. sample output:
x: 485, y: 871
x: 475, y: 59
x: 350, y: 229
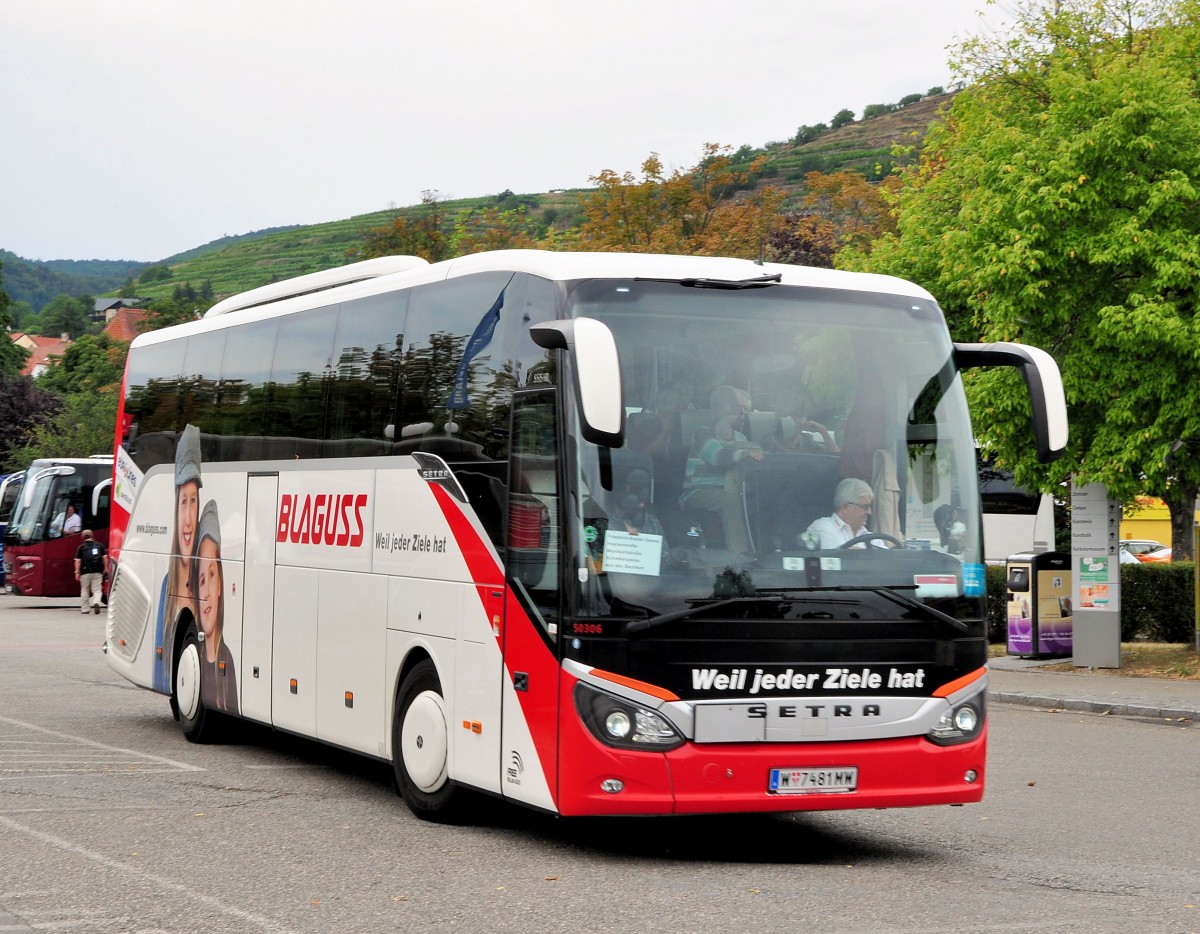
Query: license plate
x: 813, y: 781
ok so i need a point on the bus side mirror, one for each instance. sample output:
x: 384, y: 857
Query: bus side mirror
x: 98, y: 492
x: 597, y: 370
x: 1042, y: 378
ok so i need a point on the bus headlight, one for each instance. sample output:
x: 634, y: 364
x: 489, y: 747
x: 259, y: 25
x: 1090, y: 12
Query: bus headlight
x: 621, y: 723
x: 959, y: 724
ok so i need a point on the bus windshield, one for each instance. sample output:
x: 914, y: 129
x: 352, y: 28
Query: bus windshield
x: 750, y: 410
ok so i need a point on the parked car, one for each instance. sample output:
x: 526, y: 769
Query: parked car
x: 1140, y: 546
x: 1153, y: 557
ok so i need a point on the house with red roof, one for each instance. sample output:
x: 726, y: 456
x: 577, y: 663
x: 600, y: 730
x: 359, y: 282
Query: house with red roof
x: 41, y: 349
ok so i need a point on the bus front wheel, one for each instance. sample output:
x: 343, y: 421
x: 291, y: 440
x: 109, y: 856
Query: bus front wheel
x: 194, y: 718
x: 420, y: 746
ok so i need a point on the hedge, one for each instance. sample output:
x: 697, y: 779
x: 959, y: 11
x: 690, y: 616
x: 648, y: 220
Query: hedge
x: 1156, y: 602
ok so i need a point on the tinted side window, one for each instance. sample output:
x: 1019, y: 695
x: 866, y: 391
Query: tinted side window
x: 152, y: 403
x: 243, y: 395
x: 454, y: 375
x: 201, y: 379
x: 300, y: 378
x: 366, y: 360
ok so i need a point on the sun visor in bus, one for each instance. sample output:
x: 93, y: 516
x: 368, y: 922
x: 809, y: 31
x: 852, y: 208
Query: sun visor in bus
x: 597, y: 370
x: 1043, y: 380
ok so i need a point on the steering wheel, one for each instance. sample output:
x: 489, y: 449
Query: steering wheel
x: 870, y: 537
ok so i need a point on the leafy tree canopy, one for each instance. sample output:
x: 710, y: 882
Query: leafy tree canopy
x: 697, y: 211
x: 1057, y: 205
x: 93, y: 363
x: 23, y: 405
x: 65, y: 315
x: 84, y: 426
x: 12, y: 357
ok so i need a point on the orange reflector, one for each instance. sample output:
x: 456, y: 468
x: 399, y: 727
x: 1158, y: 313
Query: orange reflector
x: 473, y: 725
x: 221, y: 667
x: 958, y: 684
x: 349, y: 698
x: 652, y: 689
x: 294, y: 685
x: 157, y: 651
x: 122, y: 641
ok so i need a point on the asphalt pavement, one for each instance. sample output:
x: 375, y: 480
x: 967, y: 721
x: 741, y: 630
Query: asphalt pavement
x: 1013, y: 680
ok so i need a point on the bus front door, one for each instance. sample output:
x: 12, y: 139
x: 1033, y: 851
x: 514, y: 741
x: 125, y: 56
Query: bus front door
x: 529, y: 759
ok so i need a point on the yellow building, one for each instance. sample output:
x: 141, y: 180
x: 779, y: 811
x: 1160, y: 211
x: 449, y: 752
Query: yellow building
x: 1148, y: 518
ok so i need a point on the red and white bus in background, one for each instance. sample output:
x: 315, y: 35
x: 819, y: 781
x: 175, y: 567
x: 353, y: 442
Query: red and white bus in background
x: 538, y: 525
x: 40, y: 541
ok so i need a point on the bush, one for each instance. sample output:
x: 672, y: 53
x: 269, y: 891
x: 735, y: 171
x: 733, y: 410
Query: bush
x: 1156, y: 603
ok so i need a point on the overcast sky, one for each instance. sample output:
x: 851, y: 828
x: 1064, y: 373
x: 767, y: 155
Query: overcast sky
x: 136, y: 129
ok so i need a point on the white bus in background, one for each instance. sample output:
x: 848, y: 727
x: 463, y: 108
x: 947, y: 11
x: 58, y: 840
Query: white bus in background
x: 1015, y: 520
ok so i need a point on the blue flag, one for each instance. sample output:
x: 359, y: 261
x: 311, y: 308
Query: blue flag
x: 480, y: 339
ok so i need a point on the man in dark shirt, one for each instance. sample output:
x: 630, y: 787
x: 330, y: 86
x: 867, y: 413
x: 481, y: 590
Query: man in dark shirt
x: 91, y: 564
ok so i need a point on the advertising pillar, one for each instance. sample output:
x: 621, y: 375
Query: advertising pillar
x: 1095, y: 535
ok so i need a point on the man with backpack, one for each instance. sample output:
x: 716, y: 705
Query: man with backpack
x: 91, y: 564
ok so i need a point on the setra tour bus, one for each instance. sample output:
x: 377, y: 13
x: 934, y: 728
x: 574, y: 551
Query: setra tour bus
x: 42, y: 537
x: 560, y: 528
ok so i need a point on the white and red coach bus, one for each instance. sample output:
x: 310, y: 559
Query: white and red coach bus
x: 538, y: 525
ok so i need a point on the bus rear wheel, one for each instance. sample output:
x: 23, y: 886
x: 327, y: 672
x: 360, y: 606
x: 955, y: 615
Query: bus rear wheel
x: 420, y: 747
x: 198, y: 724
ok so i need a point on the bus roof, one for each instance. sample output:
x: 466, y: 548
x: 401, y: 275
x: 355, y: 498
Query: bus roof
x: 388, y: 273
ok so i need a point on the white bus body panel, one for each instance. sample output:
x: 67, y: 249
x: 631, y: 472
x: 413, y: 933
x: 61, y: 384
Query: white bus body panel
x: 258, y: 598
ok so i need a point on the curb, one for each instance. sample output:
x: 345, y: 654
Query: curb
x: 1141, y: 711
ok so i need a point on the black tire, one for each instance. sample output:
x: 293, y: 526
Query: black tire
x: 198, y: 723
x: 420, y: 747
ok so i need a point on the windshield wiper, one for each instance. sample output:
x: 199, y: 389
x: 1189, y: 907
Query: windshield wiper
x: 894, y: 593
x: 758, y: 282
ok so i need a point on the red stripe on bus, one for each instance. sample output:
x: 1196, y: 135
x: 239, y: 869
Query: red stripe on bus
x: 539, y: 704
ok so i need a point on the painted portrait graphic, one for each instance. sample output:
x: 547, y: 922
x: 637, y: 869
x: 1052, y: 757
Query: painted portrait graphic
x: 178, y: 591
x: 218, y: 681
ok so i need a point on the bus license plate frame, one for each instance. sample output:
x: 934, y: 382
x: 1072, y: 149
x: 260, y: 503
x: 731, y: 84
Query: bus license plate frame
x: 842, y: 779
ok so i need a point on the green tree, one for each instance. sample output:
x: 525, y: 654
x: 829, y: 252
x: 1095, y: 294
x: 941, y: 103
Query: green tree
x: 93, y: 363
x: 1057, y: 205
x: 841, y: 118
x: 84, y: 426
x: 65, y: 314
x: 23, y: 405
x: 12, y: 357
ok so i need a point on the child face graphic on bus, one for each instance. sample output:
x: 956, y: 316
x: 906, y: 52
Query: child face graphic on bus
x: 187, y: 514
x: 210, y: 594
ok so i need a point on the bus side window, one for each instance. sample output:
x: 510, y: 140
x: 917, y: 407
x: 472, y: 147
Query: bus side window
x: 534, y: 536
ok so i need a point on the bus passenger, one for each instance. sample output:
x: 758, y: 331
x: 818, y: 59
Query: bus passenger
x: 713, y: 482
x: 218, y: 682
x: 179, y: 586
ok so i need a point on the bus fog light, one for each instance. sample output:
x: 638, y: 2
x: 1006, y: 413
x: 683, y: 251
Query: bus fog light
x: 618, y: 725
x: 612, y: 786
x: 966, y: 719
x: 971, y: 776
